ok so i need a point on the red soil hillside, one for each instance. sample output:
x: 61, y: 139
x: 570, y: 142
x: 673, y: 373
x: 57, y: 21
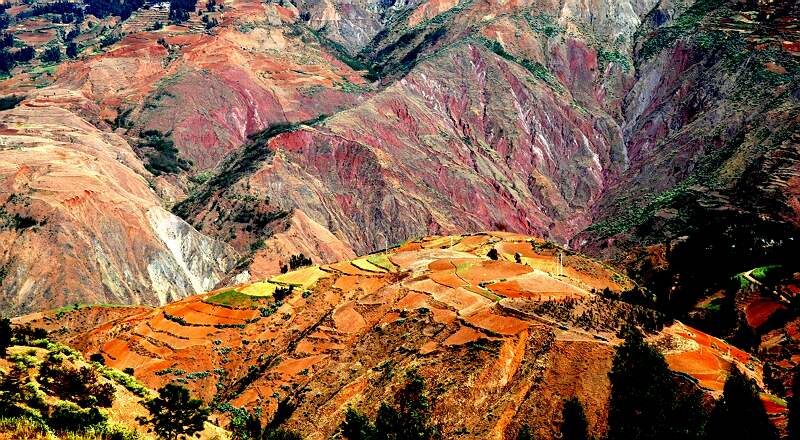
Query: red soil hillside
x: 83, y: 216
x: 490, y: 337
x: 79, y: 222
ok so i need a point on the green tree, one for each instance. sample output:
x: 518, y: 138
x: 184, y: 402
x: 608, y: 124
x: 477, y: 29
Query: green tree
x: 357, y: 426
x: 740, y: 414
x: 5, y: 336
x: 525, y: 433
x: 174, y: 413
x: 794, y: 406
x: 407, y: 419
x: 72, y: 49
x: 51, y: 55
x: 645, y: 402
x: 573, y: 424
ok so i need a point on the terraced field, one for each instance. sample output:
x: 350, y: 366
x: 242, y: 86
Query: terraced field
x: 488, y: 335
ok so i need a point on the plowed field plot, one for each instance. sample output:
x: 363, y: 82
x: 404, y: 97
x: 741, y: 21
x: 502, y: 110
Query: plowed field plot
x: 420, y: 259
x: 537, y: 285
x: 264, y: 288
x: 383, y: 262
x: 304, y: 278
x: 473, y: 242
x: 490, y: 270
x: 464, y: 335
x: 234, y: 299
x: 365, y: 264
x: 448, y: 279
x: 347, y: 268
x: 523, y: 248
x: 760, y: 310
x: 464, y: 301
x: 351, y: 283
x: 498, y: 324
x: 704, y: 365
x: 441, y: 242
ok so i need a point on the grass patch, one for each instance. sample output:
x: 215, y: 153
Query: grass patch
x: 303, y: 278
x: 762, y: 273
x: 365, y: 264
x: 714, y: 305
x: 129, y: 382
x: 234, y: 299
x: 383, y: 262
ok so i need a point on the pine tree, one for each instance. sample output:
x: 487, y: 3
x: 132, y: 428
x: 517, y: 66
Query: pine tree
x: 645, y: 402
x: 407, y: 419
x: 356, y: 426
x: 574, y: 425
x: 525, y: 433
x: 740, y: 414
x: 174, y: 414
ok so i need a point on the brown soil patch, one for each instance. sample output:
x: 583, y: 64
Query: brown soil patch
x: 498, y: 324
x: 464, y: 335
x: 490, y: 270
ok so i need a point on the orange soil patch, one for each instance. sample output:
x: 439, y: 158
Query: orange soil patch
x: 346, y: 283
x: 426, y: 285
x: 523, y: 248
x: 489, y: 270
x: 347, y: 320
x: 157, y: 350
x: 413, y: 300
x: 464, y: 301
x: 760, y: 310
x: 428, y: 347
x: 443, y: 316
x: 448, y: 279
x: 193, y: 316
x: 503, y: 325
x: 223, y: 312
x: 389, y: 318
x: 317, y: 347
x: 351, y: 283
x: 772, y: 406
x: 464, y: 335
x: 707, y: 341
x: 372, y: 284
x: 292, y: 367
x: 472, y: 242
x: 451, y: 263
x: 704, y: 365
x: 537, y: 284
x: 410, y: 246
x: 348, y: 269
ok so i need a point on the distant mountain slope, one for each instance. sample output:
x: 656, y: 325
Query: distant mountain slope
x: 80, y: 224
x: 336, y: 129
